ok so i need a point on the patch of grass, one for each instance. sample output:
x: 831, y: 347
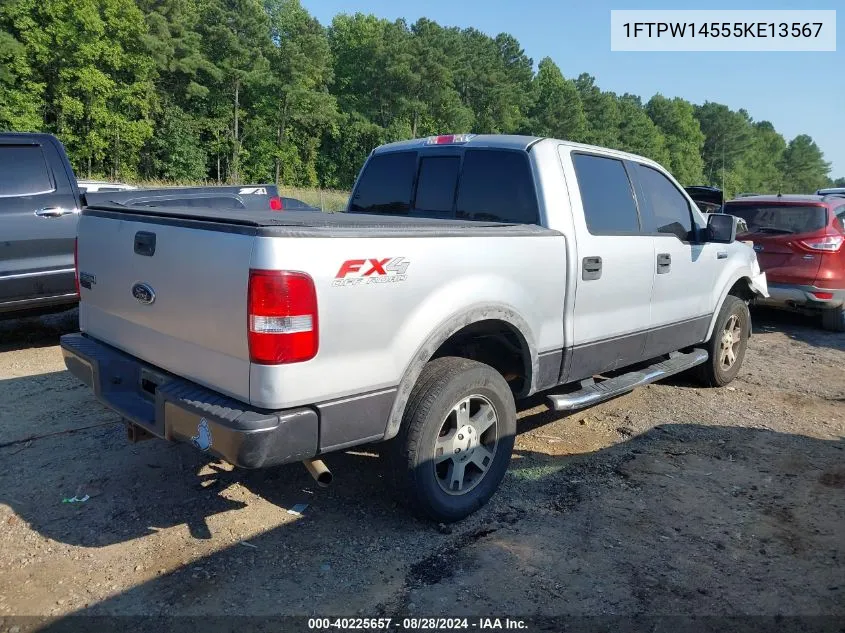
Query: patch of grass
x: 533, y: 473
x: 326, y: 199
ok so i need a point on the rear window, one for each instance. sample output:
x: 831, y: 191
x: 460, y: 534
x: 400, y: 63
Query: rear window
x: 23, y: 171
x: 386, y: 185
x: 780, y: 219
x: 497, y: 187
x: 436, y: 184
x: 485, y: 185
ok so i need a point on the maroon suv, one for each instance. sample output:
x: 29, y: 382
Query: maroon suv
x: 799, y: 243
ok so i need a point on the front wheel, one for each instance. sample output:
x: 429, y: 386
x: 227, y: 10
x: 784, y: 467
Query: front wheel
x: 727, y: 345
x: 456, y: 439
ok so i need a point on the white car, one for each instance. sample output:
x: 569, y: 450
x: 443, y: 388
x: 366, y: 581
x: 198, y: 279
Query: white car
x: 102, y: 185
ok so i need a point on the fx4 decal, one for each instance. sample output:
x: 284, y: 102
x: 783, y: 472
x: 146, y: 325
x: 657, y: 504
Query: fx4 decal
x: 355, y: 272
x: 245, y: 191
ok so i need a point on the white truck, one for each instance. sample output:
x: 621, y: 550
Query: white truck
x: 469, y: 271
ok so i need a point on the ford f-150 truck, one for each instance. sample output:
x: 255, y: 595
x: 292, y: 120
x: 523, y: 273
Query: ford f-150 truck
x: 40, y: 200
x: 468, y: 271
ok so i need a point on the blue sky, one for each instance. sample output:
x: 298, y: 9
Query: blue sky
x: 797, y: 92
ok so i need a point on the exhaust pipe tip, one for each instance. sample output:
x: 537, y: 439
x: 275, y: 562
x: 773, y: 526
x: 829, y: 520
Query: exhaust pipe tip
x: 319, y: 471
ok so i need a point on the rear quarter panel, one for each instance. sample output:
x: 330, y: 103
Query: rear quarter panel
x: 371, y: 329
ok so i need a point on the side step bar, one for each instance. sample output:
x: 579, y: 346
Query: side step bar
x: 595, y: 392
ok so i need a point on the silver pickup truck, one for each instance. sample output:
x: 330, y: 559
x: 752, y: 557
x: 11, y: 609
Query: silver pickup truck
x: 469, y: 271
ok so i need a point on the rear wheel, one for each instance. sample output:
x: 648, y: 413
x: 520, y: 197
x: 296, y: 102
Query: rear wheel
x: 727, y: 345
x: 456, y: 439
x: 834, y: 320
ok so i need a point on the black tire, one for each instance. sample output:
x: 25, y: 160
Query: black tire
x: 834, y: 320
x: 713, y: 372
x: 444, y: 384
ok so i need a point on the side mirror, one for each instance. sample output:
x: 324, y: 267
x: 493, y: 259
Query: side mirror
x: 722, y: 228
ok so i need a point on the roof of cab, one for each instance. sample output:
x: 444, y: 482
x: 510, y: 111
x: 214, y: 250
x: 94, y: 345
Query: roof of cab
x: 506, y: 141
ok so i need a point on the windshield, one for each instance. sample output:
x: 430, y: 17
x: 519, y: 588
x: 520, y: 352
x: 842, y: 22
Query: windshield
x: 780, y: 219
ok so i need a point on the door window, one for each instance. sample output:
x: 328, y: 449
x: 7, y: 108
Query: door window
x: 606, y: 195
x: 670, y: 209
x: 24, y: 171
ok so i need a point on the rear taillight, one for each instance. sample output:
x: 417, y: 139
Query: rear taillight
x: 282, y: 317
x: 276, y: 203
x: 76, y: 263
x: 824, y: 296
x: 828, y: 243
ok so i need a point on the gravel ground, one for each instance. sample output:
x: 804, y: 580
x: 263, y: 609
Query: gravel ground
x: 670, y: 500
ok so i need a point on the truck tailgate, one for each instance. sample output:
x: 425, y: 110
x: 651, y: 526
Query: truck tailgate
x: 174, y: 296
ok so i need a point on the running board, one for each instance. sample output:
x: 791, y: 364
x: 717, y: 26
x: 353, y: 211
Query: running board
x: 596, y: 392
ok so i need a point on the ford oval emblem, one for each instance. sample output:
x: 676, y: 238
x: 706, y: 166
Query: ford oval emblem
x: 143, y: 293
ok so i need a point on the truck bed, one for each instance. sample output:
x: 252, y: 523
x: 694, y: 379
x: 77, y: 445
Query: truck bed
x: 310, y: 224
x: 196, y: 268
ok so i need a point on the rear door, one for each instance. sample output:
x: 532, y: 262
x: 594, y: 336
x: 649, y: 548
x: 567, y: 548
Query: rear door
x: 777, y: 231
x: 615, y: 267
x: 38, y: 216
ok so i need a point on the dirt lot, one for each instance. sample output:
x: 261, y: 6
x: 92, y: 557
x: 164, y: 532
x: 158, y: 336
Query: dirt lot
x: 670, y: 500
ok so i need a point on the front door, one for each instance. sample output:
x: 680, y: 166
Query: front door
x: 685, y: 268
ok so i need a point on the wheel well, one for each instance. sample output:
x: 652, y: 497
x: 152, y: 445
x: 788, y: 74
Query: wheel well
x: 742, y: 290
x: 495, y: 343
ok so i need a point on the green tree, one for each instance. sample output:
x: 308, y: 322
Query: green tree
x: 236, y: 39
x: 638, y: 133
x: 804, y: 167
x: 760, y: 168
x: 96, y: 75
x: 557, y: 110
x: 727, y: 138
x: 602, y: 112
x: 675, y: 118
x: 20, y: 92
x: 301, y: 108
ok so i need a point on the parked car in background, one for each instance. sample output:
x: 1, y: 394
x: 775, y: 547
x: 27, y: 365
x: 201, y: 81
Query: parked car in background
x: 831, y: 191
x: 799, y: 243
x: 708, y: 199
x: 467, y: 271
x: 712, y: 200
x: 40, y: 200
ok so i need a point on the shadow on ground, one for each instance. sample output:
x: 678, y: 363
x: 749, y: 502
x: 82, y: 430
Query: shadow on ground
x: 37, y: 331
x: 684, y: 519
x: 799, y: 327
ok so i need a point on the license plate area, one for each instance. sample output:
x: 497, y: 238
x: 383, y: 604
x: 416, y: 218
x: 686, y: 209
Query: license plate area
x: 149, y: 381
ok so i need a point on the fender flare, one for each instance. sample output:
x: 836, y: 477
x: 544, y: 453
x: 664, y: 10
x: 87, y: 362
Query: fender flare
x: 740, y: 275
x: 440, y: 335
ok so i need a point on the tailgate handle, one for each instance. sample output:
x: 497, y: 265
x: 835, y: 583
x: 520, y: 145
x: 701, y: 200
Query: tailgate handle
x: 145, y: 243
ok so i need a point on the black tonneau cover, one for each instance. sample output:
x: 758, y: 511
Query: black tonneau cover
x: 311, y: 224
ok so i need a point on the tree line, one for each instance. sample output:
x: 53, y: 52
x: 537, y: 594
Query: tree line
x: 258, y: 91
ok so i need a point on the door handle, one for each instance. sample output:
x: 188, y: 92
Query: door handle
x: 722, y: 255
x: 54, y: 212
x: 591, y: 268
x: 664, y: 263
